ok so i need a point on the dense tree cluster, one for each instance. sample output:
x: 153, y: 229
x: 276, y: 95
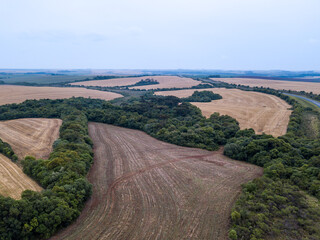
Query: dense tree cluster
x: 274, y: 205
x: 202, y: 96
x: 143, y: 82
x: 39, y: 215
x: 7, y: 151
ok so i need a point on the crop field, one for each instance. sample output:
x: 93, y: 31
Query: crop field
x: 164, y: 82
x: 17, y: 94
x: 275, y: 84
x: 147, y: 189
x: 13, y: 181
x: 30, y: 136
x: 262, y: 112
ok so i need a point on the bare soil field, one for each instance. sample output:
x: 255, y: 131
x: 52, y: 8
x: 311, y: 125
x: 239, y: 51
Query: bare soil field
x: 164, y: 82
x: 147, y: 189
x: 30, y: 136
x: 13, y: 181
x: 17, y: 94
x: 275, y: 84
x: 262, y: 112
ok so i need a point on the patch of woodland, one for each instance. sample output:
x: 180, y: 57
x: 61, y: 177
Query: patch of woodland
x: 278, y: 204
x: 291, y: 162
x: 202, y: 96
x: 7, y: 151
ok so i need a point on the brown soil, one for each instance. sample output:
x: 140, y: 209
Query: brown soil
x: 30, y: 136
x: 17, y: 94
x: 147, y: 189
x: 264, y: 113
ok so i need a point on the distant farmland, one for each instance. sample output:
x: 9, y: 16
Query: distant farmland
x: 30, y: 136
x: 275, y: 84
x: 147, y: 189
x: 17, y: 94
x: 262, y: 112
x: 164, y: 82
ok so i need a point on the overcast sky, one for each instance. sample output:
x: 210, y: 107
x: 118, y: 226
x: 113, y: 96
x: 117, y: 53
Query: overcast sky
x: 160, y: 34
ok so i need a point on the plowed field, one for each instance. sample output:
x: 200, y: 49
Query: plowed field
x: 275, y: 84
x: 147, y: 189
x: 164, y: 82
x: 13, y: 181
x: 262, y: 112
x: 17, y: 94
x: 30, y: 136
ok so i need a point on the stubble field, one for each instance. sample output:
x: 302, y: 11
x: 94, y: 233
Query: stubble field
x: 147, y: 189
x: 30, y: 136
x: 17, y: 94
x: 275, y: 84
x: 262, y: 112
x: 13, y: 181
x: 33, y: 137
x: 164, y: 82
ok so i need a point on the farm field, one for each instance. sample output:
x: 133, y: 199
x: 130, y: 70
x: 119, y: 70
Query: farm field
x: 164, y: 82
x: 17, y: 94
x: 30, y: 136
x: 147, y: 189
x: 13, y: 181
x: 275, y: 84
x: 262, y: 112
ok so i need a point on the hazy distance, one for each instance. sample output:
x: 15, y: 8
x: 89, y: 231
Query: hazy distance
x: 166, y: 34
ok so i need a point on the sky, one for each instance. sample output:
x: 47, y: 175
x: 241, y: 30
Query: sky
x: 160, y: 34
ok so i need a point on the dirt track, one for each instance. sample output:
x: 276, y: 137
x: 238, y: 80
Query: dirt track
x: 147, y: 189
x: 164, y: 82
x: 275, y: 84
x: 13, y: 181
x: 30, y: 136
x: 262, y: 112
x: 18, y: 94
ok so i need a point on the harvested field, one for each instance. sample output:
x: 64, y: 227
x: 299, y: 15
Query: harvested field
x: 30, y: 136
x: 17, y: 94
x: 275, y: 84
x: 164, y: 82
x: 13, y: 181
x: 262, y: 112
x: 147, y: 189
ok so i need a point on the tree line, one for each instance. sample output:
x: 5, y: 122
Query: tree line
x: 274, y: 205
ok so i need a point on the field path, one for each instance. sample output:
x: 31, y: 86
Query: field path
x: 30, y: 136
x: 147, y: 189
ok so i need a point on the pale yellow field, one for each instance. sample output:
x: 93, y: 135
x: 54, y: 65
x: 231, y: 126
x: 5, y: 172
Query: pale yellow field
x: 164, y: 82
x: 30, y: 136
x: 13, y: 181
x: 17, y: 94
x: 275, y: 84
x: 262, y: 112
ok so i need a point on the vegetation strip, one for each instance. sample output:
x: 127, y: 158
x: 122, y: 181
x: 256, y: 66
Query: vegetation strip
x: 291, y: 162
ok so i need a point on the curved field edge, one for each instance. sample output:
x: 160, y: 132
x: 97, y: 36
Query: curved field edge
x: 30, y: 136
x: 13, y: 181
x: 147, y: 189
x: 264, y: 113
